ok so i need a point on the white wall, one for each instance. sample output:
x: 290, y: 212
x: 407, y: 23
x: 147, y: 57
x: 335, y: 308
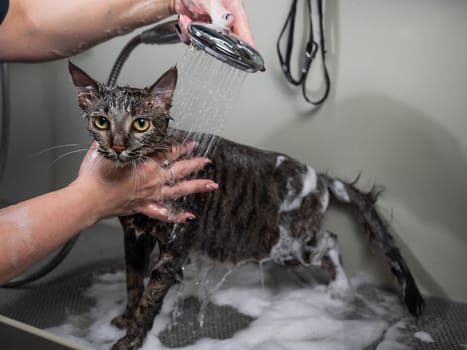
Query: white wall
x: 396, y: 115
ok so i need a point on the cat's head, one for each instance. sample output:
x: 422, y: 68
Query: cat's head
x: 128, y: 124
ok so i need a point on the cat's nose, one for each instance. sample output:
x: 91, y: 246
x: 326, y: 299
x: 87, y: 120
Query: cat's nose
x: 118, y: 148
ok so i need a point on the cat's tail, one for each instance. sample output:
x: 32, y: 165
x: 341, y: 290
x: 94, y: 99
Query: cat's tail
x: 378, y: 230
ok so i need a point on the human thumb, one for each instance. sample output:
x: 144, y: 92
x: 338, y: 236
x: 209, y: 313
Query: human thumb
x: 220, y: 16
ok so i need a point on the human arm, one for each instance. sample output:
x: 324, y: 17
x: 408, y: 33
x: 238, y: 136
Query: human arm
x: 32, y: 229
x: 51, y: 29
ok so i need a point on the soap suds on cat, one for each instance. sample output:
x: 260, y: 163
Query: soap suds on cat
x: 19, y: 220
x: 338, y: 188
x: 294, y: 200
x: 289, y: 248
x: 279, y: 160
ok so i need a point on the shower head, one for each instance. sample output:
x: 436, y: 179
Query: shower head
x: 226, y: 48
x: 210, y: 38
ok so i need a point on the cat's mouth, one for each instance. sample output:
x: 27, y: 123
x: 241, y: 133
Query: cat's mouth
x: 120, y: 159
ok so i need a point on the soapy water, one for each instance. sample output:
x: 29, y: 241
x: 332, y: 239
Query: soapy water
x: 22, y: 242
x: 289, y: 311
x: 206, y: 90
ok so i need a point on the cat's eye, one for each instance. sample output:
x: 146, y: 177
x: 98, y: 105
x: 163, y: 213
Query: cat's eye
x: 141, y: 124
x: 101, y: 123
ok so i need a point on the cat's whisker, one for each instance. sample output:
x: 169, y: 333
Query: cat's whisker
x: 67, y: 154
x: 37, y: 154
x: 144, y: 158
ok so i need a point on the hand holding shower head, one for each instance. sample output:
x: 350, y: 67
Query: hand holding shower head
x: 211, y: 38
x: 226, y: 48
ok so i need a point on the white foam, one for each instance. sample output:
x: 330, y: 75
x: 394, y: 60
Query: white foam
x: 424, y: 337
x: 288, y: 314
x: 19, y: 219
x: 393, y: 336
x: 279, y: 161
x: 338, y: 188
x: 324, y: 200
x: 286, y: 248
x: 294, y: 200
x: 340, y: 287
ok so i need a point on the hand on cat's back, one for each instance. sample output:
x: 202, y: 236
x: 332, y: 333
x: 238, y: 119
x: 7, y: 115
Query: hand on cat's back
x: 143, y: 187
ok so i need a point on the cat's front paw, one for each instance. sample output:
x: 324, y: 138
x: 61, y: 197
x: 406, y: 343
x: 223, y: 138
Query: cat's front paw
x: 126, y: 343
x: 121, y: 322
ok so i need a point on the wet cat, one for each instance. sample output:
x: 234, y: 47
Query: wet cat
x: 268, y: 206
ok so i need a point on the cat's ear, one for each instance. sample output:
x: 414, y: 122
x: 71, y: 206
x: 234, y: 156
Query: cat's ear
x: 86, y: 87
x: 163, y: 89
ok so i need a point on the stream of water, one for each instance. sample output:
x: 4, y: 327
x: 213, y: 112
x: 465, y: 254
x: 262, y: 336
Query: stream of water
x: 206, y: 91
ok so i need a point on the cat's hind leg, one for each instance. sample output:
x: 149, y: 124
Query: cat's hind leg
x: 327, y: 255
x: 138, y: 248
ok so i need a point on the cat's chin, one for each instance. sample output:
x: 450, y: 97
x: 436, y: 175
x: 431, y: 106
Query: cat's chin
x: 117, y: 162
x: 123, y: 164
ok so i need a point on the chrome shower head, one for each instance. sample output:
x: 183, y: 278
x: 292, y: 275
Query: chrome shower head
x: 225, y: 48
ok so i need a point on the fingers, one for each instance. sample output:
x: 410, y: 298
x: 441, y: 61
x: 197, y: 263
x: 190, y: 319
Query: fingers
x: 240, y: 24
x: 156, y: 211
x: 187, y: 12
x: 183, y: 168
x: 228, y: 14
x: 173, y: 190
x: 183, y: 22
x: 181, y: 150
x: 170, y: 172
x: 160, y: 212
x: 181, y: 218
x: 220, y: 15
x: 188, y: 187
